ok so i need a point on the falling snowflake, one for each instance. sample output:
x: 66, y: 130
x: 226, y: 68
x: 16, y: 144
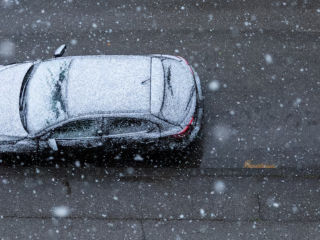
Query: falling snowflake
x: 61, y: 211
x: 268, y: 58
x: 7, y: 48
x: 219, y: 186
x: 214, y: 85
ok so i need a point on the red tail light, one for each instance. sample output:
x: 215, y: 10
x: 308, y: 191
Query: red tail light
x: 186, y: 63
x: 185, y: 131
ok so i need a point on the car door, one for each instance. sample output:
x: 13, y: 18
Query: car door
x: 73, y: 135
x: 9, y: 144
x: 121, y: 133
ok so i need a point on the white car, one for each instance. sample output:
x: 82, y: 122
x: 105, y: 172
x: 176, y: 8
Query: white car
x: 109, y: 102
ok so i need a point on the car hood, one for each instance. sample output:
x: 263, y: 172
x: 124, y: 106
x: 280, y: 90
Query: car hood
x: 11, y: 78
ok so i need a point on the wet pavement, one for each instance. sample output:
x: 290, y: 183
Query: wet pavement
x: 253, y: 175
x: 165, y: 203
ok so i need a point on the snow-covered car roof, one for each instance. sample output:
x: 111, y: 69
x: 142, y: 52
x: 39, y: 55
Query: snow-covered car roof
x: 102, y: 84
x: 69, y: 87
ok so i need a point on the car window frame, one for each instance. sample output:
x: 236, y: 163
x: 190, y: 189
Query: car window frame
x: 161, y: 123
x: 42, y: 133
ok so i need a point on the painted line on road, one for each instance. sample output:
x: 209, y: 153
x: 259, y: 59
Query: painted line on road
x: 247, y: 164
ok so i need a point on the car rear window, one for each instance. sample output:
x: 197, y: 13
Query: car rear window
x: 179, y: 88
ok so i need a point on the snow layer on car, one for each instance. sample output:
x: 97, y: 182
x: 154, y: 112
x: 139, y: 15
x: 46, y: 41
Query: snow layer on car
x: 109, y: 84
x: 46, y: 92
x: 10, y: 84
x: 157, y: 86
x: 179, y: 86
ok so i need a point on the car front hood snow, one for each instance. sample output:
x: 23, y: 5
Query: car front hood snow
x: 11, y: 79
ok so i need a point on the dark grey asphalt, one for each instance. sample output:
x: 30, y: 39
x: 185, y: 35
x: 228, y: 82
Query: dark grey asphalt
x: 264, y: 112
x: 258, y: 63
x: 156, y: 204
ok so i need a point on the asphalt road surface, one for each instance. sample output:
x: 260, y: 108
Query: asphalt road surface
x: 258, y: 62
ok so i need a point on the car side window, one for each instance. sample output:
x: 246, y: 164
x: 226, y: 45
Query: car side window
x: 76, y: 129
x: 115, y: 126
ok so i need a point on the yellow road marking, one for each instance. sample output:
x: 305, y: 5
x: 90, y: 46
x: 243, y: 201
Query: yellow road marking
x: 247, y: 164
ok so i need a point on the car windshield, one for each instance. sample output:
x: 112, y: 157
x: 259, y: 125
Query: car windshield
x: 43, y: 98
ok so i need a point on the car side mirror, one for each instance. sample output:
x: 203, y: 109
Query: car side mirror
x: 60, y: 51
x: 53, y: 144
